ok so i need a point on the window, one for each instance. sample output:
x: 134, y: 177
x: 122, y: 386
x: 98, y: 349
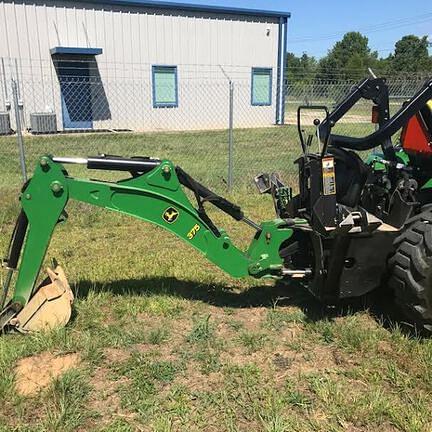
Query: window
x: 262, y: 86
x: 165, y: 91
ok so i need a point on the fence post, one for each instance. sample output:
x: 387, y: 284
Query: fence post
x: 20, y: 140
x: 231, y: 137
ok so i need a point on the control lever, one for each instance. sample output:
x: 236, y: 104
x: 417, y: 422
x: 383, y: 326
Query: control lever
x: 266, y: 183
x: 272, y: 184
x: 262, y: 182
x: 325, y: 140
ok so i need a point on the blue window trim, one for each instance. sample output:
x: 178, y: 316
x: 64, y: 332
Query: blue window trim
x: 164, y: 104
x: 281, y: 86
x: 75, y: 51
x: 262, y: 69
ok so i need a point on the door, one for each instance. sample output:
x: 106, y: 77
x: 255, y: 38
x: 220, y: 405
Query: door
x: 75, y: 87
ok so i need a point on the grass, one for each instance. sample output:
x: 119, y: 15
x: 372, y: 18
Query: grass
x: 167, y: 342
x: 203, y: 153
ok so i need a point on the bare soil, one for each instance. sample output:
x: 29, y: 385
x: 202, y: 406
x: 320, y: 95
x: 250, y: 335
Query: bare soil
x: 37, y: 372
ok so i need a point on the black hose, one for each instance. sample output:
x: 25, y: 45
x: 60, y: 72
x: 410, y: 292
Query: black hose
x: 207, y: 195
x: 17, y: 241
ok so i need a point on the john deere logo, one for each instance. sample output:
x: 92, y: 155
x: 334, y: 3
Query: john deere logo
x: 170, y: 215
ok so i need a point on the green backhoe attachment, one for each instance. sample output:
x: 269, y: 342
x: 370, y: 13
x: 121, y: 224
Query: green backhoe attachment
x: 153, y: 193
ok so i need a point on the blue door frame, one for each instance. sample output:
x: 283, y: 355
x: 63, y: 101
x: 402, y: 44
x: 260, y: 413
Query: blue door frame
x: 76, y: 98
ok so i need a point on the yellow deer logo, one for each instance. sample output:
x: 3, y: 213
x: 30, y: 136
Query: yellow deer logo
x: 170, y: 215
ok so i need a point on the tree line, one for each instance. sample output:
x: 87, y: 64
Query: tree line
x: 350, y: 58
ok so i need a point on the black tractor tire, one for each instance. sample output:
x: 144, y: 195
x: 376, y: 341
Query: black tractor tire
x: 411, y: 270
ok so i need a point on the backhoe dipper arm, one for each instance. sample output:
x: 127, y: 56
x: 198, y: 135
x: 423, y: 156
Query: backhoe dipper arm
x: 154, y: 194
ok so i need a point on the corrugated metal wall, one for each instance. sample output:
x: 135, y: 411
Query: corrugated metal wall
x: 207, y: 48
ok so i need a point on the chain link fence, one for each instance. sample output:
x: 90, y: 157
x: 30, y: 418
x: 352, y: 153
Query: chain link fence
x: 214, y: 131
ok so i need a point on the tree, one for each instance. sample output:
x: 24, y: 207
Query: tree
x: 411, y: 55
x: 348, y: 59
x: 301, y: 69
x: 382, y: 67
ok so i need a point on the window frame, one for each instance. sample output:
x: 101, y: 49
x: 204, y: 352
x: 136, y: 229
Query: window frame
x: 157, y: 104
x: 270, y: 99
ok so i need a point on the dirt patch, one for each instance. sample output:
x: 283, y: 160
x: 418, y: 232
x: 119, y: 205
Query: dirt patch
x: 252, y: 318
x: 108, y: 316
x: 237, y: 356
x: 317, y: 359
x: 385, y: 347
x: 114, y: 355
x: 349, y: 427
x: 180, y: 330
x: 290, y: 333
x: 104, y: 398
x: 37, y: 372
x: 343, y: 359
x: 284, y: 362
x: 198, y: 382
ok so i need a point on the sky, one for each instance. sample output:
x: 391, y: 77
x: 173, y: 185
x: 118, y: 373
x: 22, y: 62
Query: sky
x: 315, y: 26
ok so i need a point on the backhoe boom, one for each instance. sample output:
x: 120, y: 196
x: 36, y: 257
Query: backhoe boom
x: 153, y: 194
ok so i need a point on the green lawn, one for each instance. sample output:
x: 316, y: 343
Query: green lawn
x: 161, y: 340
x: 203, y: 153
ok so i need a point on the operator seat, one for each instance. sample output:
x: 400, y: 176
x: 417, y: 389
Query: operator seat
x: 351, y: 176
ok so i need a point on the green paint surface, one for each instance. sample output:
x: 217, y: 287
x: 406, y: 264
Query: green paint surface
x: 153, y: 197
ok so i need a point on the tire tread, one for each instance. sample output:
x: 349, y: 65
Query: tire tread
x: 411, y: 269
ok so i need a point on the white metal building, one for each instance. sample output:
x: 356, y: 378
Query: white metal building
x: 143, y: 65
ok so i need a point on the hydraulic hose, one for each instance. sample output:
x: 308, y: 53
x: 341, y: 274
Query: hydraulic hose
x: 17, y: 241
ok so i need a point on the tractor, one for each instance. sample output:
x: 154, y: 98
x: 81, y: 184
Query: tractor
x: 355, y: 224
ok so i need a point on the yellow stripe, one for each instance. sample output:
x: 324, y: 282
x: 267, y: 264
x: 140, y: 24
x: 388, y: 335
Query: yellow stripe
x: 429, y: 104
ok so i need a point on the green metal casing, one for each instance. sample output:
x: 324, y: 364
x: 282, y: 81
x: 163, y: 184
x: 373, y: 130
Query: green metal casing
x: 375, y: 161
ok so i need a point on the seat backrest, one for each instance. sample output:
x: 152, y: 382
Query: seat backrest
x: 351, y: 176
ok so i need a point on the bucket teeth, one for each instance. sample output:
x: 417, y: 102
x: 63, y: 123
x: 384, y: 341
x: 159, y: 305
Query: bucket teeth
x: 50, y: 306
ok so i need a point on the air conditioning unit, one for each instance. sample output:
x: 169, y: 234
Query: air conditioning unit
x: 5, y: 127
x: 43, y: 123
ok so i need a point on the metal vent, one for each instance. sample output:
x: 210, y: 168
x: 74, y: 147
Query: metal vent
x: 5, y: 127
x: 43, y: 123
